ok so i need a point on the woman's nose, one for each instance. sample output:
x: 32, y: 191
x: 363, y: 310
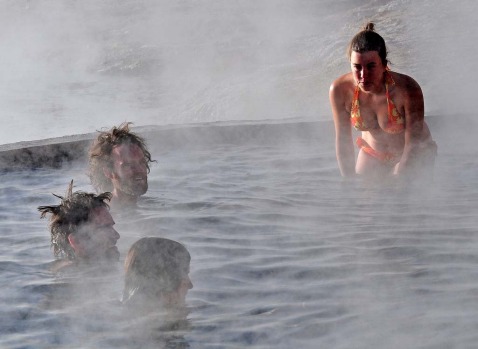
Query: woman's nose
x: 362, y: 73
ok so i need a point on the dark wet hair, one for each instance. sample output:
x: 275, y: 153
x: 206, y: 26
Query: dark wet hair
x: 101, y: 149
x: 154, y: 265
x: 368, y: 40
x: 66, y: 218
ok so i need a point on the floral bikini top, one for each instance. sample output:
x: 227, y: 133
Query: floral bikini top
x: 396, y: 122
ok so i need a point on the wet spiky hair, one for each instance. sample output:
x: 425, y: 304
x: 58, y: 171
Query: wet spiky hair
x: 100, y: 153
x: 74, y: 209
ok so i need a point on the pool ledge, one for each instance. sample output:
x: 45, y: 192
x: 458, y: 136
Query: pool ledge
x: 52, y: 153
x: 57, y: 152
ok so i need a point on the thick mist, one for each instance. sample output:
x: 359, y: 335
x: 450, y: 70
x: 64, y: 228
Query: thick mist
x: 284, y: 252
x: 72, y: 67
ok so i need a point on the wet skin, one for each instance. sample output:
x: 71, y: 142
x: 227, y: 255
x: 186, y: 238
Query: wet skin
x: 178, y: 297
x: 368, y: 70
x: 129, y: 174
x: 96, y: 240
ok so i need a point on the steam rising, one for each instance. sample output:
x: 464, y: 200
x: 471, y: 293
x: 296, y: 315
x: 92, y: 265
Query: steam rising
x: 162, y: 62
x: 283, y: 252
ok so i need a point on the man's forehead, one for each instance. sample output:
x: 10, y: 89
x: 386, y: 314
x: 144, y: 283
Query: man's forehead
x: 127, y: 150
x: 101, y: 216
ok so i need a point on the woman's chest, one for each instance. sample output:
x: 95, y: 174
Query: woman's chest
x: 376, y: 113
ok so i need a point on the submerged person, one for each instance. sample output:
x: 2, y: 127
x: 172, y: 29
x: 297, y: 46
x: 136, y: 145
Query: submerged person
x: 119, y: 163
x: 82, y: 232
x: 154, y: 297
x: 156, y: 275
x: 387, y: 107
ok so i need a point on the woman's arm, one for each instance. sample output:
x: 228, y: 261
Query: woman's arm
x: 344, y: 147
x: 414, y: 118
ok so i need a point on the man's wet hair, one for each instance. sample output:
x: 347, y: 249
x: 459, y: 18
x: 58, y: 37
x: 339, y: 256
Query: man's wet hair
x: 100, y: 153
x: 74, y: 210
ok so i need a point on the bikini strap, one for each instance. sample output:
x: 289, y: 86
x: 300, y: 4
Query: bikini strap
x: 355, y: 100
x: 395, y: 120
x: 355, y: 116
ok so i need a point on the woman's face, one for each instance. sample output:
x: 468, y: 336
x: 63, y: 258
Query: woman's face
x: 183, y: 289
x: 178, y: 297
x: 367, y: 70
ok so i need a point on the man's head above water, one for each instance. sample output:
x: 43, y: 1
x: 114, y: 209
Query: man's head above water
x: 119, y: 163
x: 82, y: 228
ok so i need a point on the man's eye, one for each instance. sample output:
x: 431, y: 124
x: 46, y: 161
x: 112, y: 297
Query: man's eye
x: 84, y: 237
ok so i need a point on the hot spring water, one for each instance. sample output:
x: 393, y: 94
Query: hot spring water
x: 284, y: 252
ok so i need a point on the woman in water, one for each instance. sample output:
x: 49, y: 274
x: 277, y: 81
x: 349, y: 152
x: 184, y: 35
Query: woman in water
x: 156, y: 275
x: 154, y: 295
x: 387, y: 107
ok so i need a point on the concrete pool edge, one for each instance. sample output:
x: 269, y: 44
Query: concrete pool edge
x: 56, y: 152
x: 52, y: 153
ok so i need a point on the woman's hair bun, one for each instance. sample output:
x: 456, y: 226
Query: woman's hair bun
x: 369, y: 27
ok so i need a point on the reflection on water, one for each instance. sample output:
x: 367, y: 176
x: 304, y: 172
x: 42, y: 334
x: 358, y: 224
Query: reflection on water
x: 284, y: 252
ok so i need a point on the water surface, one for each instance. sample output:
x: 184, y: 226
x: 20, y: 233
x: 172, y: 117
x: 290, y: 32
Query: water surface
x: 284, y: 252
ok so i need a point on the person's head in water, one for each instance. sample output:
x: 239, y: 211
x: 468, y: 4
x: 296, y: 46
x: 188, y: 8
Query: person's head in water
x: 119, y: 162
x: 156, y: 272
x: 81, y: 227
x: 368, y: 40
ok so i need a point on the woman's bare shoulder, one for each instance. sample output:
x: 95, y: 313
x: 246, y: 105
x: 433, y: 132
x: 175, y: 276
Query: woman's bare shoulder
x: 409, y: 93
x: 344, y: 81
x: 405, y: 81
x: 341, y: 88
